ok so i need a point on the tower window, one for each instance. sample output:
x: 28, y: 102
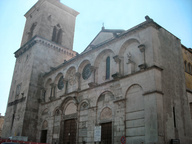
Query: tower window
x: 32, y: 30
x: 57, y: 34
x: 18, y: 89
x: 108, y: 67
x: 54, y: 35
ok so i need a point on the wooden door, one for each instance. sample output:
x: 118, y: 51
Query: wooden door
x: 43, y: 136
x: 106, y: 133
x: 70, y: 128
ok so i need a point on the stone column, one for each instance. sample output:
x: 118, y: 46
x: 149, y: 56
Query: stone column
x: 52, y: 94
x: 43, y: 95
x: 142, y: 50
x: 78, y: 75
x: 117, y: 59
x: 93, y: 83
x: 154, y: 131
x: 65, y: 84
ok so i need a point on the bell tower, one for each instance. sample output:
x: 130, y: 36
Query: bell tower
x: 51, y: 20
x: 47, y: 41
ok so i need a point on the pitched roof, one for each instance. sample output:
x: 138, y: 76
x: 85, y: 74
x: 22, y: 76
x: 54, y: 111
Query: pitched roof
x: 103, y: 36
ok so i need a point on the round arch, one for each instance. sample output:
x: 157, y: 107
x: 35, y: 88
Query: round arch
x: 82, y: 65
x: 66, y: 103
x: 105, y: 66
x: 126, y: 44
x: 57, y: 77
x: 103, y: 53
x: 47, y: 83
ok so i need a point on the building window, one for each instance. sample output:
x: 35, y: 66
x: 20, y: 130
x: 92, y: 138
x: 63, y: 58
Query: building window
x: 18, y: 89
x: 108, y: 67
x: 86, y: 72
x: 185, y: 64
x: 191, y: 109
x: 54, y: 35
x: 60, y: 83
x: 31, y: 30
x: 189, y: 68
x: 57, y: 34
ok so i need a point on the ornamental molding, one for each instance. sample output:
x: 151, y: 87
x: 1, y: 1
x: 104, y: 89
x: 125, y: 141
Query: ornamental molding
x: 16, y: 101
x: 48, y: 44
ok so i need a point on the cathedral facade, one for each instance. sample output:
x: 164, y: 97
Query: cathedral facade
x: 127, y: 84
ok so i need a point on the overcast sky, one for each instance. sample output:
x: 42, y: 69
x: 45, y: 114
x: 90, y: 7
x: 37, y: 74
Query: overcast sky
x: 173, y: 15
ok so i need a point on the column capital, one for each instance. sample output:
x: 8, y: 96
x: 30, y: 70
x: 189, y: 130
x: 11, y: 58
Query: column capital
x: 93, y: 68
x: 117, y: 59
x: 77, y: 74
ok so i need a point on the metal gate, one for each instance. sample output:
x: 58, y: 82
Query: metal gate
x: 70, y: 128
x: 106, y: 133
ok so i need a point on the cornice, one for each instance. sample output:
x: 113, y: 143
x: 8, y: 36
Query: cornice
x: 47, y: 43
x: 25, y: 47
x: 16, y: 101
x: 153, y: 92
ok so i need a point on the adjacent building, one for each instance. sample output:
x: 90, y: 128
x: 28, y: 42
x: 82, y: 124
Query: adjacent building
x: 187, y: 57
x: 1, y: 123
x: 126, y: 84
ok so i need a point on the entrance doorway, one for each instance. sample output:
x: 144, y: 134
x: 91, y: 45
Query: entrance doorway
x: 106, y: 133
x: 43, y: 136
x: 70, y: 128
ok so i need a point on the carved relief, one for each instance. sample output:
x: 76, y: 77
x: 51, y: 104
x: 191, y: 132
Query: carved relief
x: 72, y: 79
x: 106, y: 113
x: 129, y: 56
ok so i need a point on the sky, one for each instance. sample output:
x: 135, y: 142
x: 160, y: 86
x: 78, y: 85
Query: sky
x: 173, y: 15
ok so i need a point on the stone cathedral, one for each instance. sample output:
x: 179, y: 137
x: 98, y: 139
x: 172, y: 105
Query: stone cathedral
x: 126, y: 84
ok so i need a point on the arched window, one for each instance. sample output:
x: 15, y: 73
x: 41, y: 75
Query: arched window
x: 31, y: 30
x: 189, y: 68
x: 57, y: 34
x: 54, y: 35
x: 108, y: 67
x: 60, y: 84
